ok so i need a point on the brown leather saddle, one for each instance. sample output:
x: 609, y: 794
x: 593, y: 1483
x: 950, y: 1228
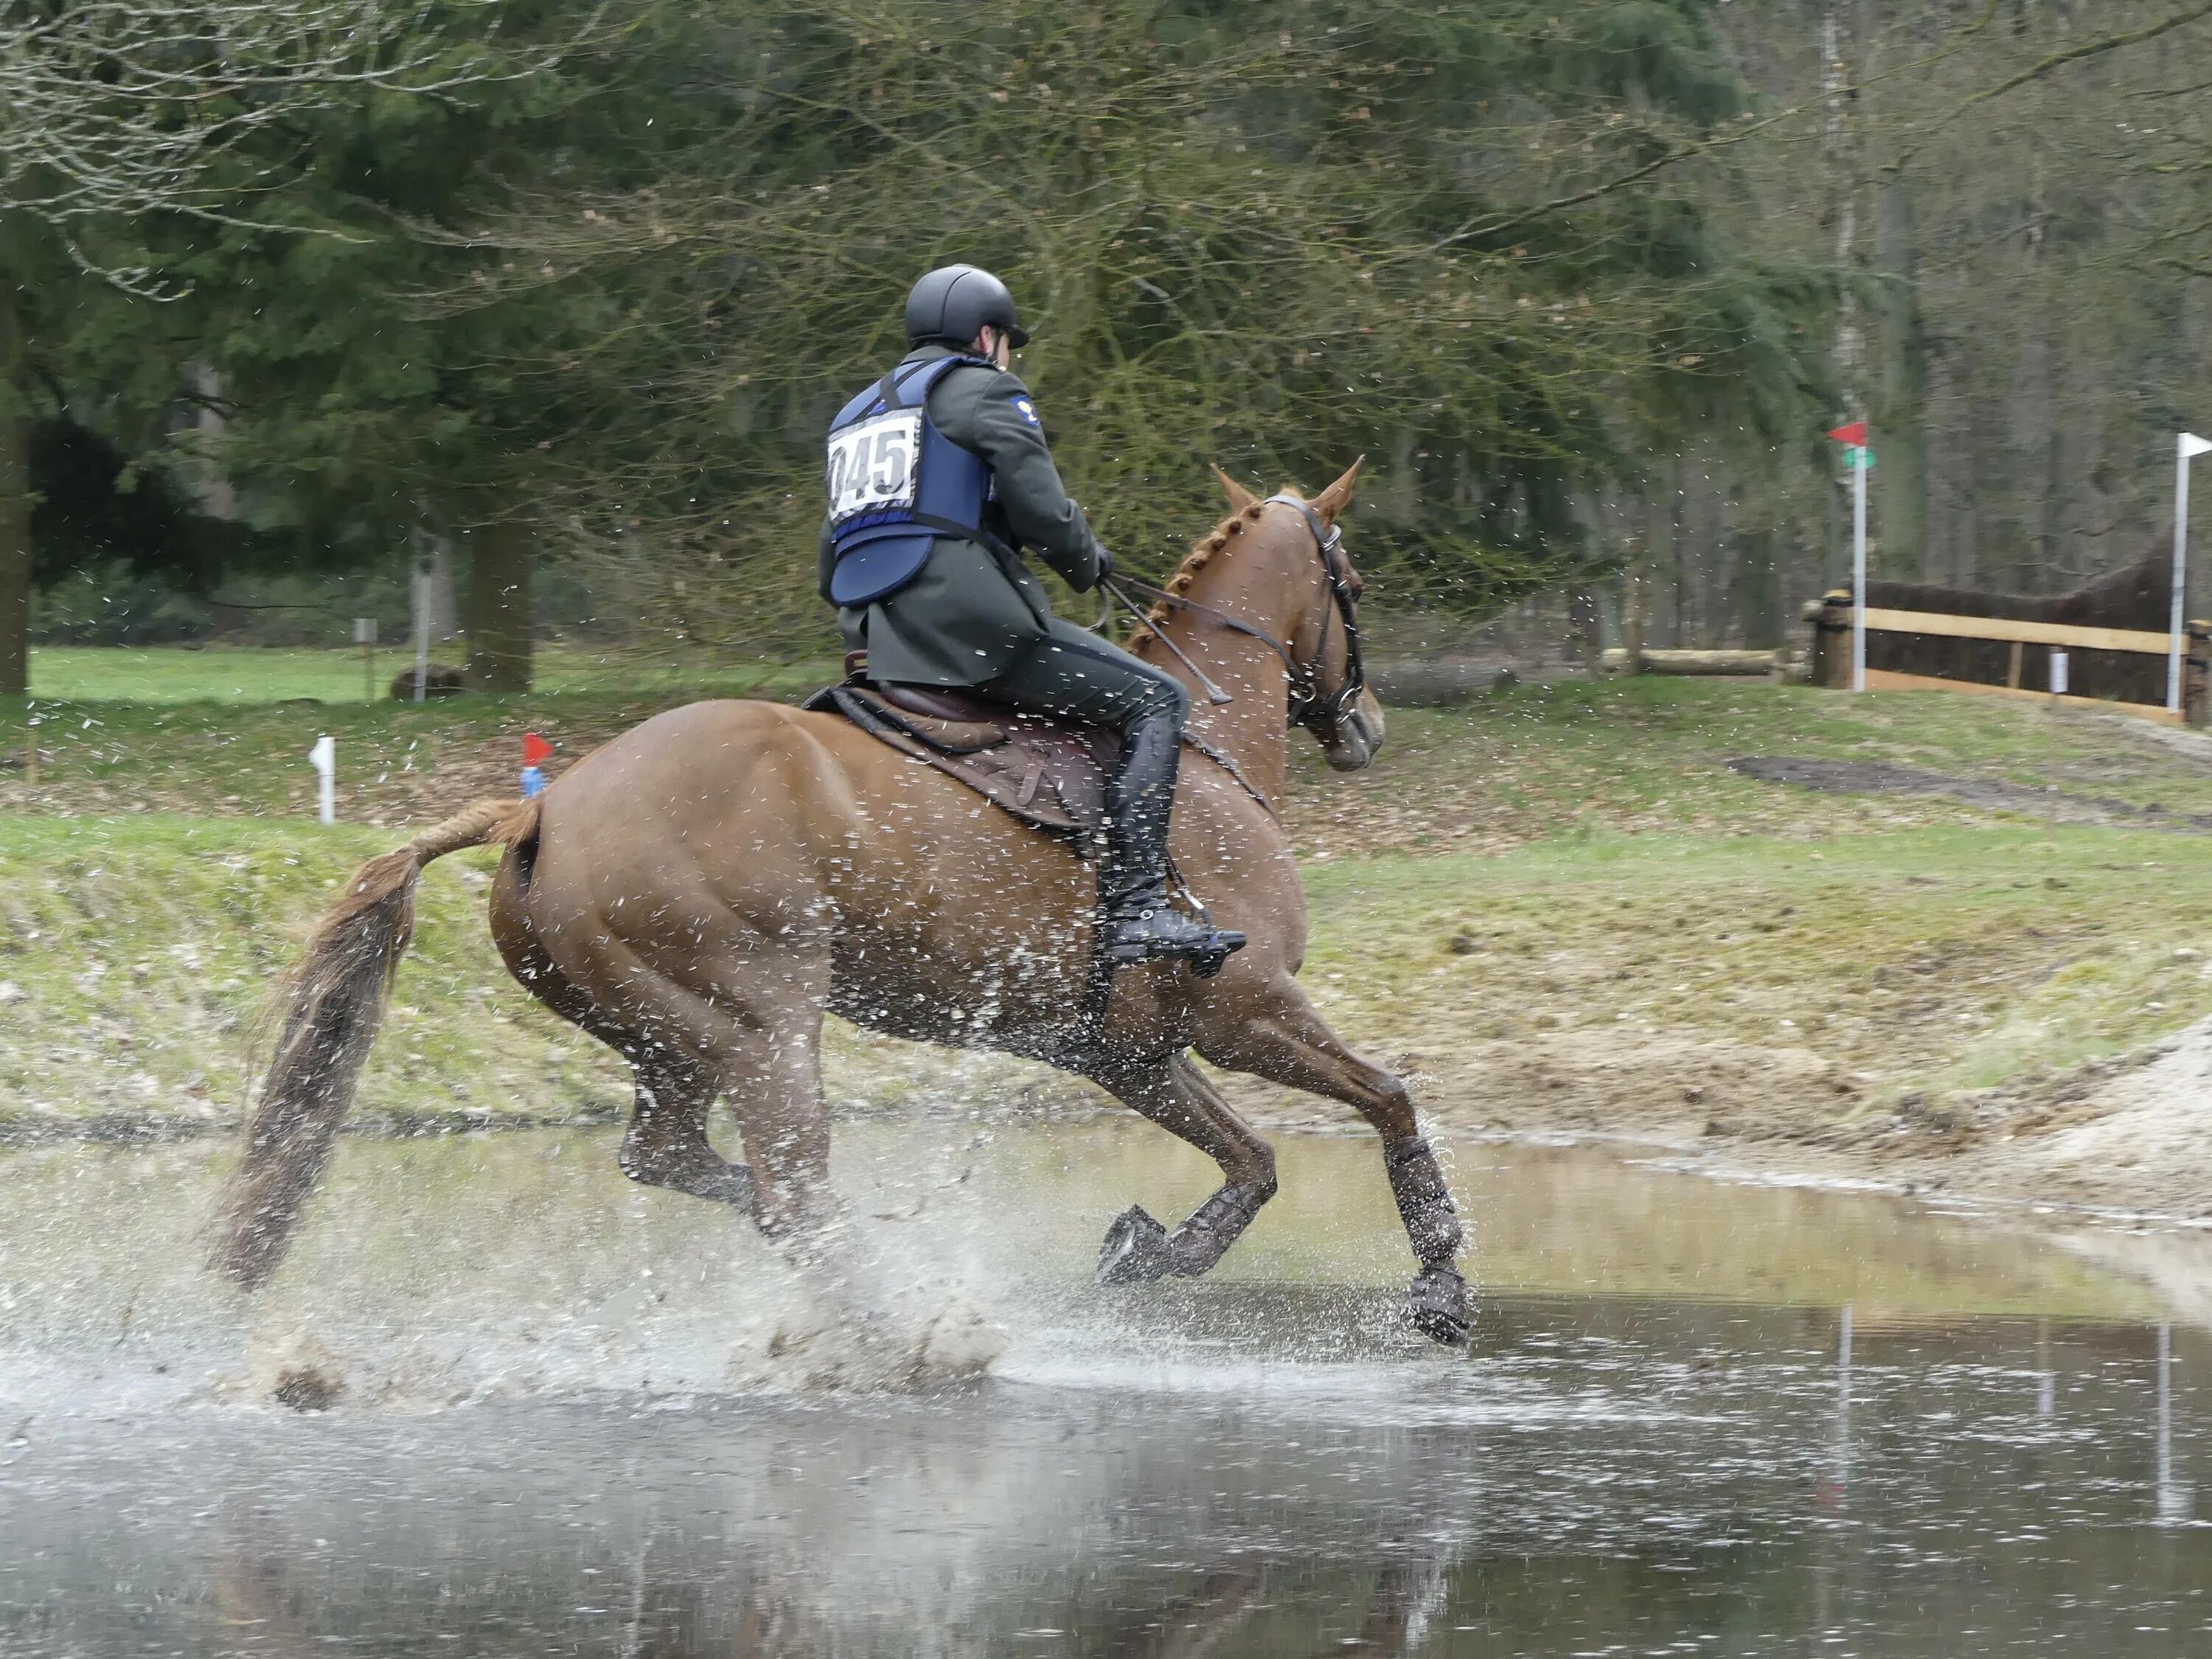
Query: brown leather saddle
x: 1048, y: 772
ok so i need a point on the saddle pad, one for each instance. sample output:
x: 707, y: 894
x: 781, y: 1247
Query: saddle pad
x: 1045, y: 773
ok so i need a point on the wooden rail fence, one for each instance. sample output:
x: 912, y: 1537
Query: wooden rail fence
x: 1831, y: 662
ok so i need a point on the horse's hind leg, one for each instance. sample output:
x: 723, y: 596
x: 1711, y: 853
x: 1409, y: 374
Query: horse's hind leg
x: 666, y: 1143
x: 756, y: 1046
x: 1173, y: 1095
x: 1285, y: 1041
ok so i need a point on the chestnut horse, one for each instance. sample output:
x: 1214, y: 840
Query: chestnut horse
x: 697, y: 892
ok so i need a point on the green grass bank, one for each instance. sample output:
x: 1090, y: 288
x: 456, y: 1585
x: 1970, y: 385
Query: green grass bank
x: 1557, y: 905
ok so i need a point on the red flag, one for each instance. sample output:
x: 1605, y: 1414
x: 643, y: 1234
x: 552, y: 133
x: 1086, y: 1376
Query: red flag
x: 535, y: 749
x: 1853, y: 433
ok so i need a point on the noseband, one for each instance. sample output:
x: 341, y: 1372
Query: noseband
x: 1309, y: 708
x: 1319, y: 713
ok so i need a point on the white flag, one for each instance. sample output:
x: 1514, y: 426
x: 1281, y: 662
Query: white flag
x: 2193, y: 445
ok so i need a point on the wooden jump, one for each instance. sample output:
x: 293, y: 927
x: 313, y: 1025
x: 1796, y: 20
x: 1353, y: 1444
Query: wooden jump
x: 2020, y: 632
x: 1885, y: 679
x: 1835, y: 612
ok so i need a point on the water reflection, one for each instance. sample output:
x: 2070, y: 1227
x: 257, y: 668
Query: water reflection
x: 1603, y: 1473
x: 1984, y: 1449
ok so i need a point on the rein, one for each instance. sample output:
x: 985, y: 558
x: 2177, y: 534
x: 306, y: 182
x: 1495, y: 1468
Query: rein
x: 1309, y: 708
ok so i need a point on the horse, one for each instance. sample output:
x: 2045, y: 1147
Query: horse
x: 698, y: 892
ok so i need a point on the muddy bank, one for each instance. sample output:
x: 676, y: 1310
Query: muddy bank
x: 2131, y: 1134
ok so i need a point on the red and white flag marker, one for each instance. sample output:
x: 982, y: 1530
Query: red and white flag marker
x: 2187, y: 446
x: 1859, y: 458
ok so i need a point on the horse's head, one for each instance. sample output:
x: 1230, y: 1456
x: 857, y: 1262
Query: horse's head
x: 1329, y: 695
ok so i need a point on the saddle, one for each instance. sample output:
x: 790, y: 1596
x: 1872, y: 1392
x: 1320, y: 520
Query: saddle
x: 1051, y: 773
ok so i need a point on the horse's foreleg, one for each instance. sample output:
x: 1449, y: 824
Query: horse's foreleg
x: 666, y: 1143
x: 1288, y: 1042
x: 1173, y: 1095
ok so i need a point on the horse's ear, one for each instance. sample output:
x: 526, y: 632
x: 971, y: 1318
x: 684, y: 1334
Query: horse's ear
x: 1334, y: 500
x: 1241, y: 499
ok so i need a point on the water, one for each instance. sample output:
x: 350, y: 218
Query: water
x: 581, y: 1419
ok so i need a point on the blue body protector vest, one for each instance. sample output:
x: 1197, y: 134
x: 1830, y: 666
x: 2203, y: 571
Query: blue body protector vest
x: 896, y: 484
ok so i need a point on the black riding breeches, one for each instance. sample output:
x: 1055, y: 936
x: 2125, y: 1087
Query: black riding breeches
x: 1075, y: 674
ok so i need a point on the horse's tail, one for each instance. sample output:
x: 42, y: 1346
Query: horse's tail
x: 325, y: 1013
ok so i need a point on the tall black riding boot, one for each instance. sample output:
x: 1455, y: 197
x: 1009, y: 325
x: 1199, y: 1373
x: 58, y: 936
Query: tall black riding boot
x: 1132, y: 883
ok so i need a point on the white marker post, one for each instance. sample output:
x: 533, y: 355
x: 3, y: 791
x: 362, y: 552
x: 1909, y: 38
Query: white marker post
x: 421, y: 631
x: 1859, y: 458
x: 325, y: 755
x: 2187, y: 445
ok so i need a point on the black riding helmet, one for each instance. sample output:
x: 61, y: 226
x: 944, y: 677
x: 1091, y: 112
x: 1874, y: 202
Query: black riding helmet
x: 953, y: 303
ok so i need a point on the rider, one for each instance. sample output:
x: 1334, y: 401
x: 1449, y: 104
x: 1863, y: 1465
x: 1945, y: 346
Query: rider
x: 939, y: 475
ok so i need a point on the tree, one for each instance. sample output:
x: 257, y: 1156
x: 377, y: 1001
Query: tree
x: 15, y: 498
x: 1273, y: 235
x: 120, y: 119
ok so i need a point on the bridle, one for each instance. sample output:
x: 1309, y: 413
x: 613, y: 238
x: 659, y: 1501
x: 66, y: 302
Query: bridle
x: 1320, y: 715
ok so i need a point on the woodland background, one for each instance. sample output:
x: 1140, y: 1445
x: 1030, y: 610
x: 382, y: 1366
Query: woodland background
x: 560, y: 295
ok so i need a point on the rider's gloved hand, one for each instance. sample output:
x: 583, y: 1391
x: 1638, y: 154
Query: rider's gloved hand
x: 1105, y: 566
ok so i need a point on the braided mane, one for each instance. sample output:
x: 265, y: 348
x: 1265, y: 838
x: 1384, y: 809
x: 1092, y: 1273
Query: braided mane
x: 1201, y: 555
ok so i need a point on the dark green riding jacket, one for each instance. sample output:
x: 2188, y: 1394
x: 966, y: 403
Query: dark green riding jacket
x: 972, y: 614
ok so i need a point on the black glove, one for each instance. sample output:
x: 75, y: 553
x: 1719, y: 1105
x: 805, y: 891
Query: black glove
x: 1105, y: 566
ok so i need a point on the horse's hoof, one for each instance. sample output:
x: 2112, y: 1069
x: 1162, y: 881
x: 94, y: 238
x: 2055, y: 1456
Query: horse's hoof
x: 1135, y: 1252
x: 1439, y: 1307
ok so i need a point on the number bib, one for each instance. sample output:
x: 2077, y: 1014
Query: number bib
x: 874, y: 465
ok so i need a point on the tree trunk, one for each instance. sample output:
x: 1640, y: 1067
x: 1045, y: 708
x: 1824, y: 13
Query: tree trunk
x: 445, y: 609
x: 1900, y: 419
x: 15, y: 506
x: 499, y: 606
x: 1840, y: 162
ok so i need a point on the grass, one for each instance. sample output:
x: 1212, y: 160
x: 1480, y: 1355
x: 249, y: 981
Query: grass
x: 1636, y: 757
x: 397, y: 761
x: 1650, y: 755
x: 137, y: 954
x: 1922, y: 961
x: 1568, y: 867
x: 239, y: 676
x: 136, y: 951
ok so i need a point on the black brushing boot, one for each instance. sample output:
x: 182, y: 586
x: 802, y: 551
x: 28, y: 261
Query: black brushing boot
x: 1439, y: 1306
x: 1140, y: 924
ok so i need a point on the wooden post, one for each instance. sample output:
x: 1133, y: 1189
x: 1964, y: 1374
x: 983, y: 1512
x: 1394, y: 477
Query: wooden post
x: 1829, y: 664
x: 2012, y: 674
x: 1639, y: 618
x: 2197, y: 684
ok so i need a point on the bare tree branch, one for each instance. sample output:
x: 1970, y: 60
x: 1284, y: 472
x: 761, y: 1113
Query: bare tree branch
x: 110, y: 109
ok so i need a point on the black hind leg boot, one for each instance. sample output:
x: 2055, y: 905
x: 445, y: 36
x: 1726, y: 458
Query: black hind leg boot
x: 1140, y: 923
x: 1439, y: 1305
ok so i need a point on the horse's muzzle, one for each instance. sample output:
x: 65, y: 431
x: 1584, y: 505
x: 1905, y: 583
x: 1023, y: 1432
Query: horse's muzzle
x: 1357, y: 738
